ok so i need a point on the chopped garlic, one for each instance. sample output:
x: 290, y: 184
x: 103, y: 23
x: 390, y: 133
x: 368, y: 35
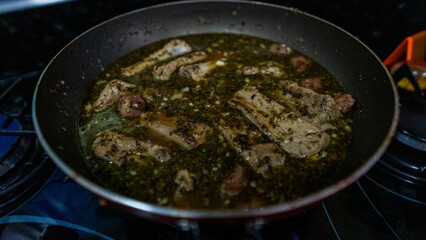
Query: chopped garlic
x: 220, y: 63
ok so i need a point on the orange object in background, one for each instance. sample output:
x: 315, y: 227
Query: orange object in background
x: 414, y: 49
x: 411, y: 51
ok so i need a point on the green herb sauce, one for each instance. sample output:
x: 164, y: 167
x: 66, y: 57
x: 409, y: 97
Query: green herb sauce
x: 207, y: 101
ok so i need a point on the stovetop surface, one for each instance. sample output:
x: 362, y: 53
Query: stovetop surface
x: 371, y: 208
x: 377, y: 206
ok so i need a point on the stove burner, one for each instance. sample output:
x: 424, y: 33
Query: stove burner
x: 7, y: 142
x: 25, y: 179
x: 16, y: 154
x: 405, y: 158
x: 411, y: 127
x: 405, y: 163
x: 24, y: 167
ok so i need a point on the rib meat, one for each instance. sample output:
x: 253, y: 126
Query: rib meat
x: 313, y: 107
x: 293, y: 134
x: 262, y: 157
x: 184, y: 131
x: 173, y: 48
x: 197, y: 71
x: 266, y: 68
x: 110, y: 94
x: 165, y: 71
x: 115, y: 147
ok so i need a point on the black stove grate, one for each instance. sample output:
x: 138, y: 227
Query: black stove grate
x: 405, y: 158
x: 24, y: 167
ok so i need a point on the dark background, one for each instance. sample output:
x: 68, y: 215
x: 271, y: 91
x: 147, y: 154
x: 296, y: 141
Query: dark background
x: 30, y: 38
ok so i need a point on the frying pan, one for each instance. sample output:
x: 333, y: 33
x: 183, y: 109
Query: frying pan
x: 70, y: 75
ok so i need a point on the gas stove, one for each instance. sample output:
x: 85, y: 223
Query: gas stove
x: 38, y: 201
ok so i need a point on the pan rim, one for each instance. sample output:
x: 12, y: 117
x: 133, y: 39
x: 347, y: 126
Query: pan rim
x: 197, y: 214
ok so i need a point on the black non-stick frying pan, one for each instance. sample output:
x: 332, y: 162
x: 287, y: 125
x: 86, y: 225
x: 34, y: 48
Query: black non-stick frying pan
x: 70, y: 75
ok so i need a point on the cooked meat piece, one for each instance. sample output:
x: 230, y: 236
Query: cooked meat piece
x: 165, y: 71
x: 234, y: 183
x: 115, y: 147
x: 262, y: 157
x: 110, y: 94
x: 230, y: 136
x: 267, y: 68
x: 299, y: 63
x: 293, y: 134
x: 197, y: 71
x: 279, y: 49
x: 344, y: 101
x: 160, y: 153
x: 249, y: 70
x: 184, y: 180
x: 271, y: 70
x: 186, y: 132
x: 313, y: 107
x: 130, y: 106
x: 173, y: 48
x: 327, y: 126
x: 311, y: 83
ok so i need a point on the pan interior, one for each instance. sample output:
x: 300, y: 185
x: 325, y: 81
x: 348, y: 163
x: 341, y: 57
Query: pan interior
x: 70, y: 75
